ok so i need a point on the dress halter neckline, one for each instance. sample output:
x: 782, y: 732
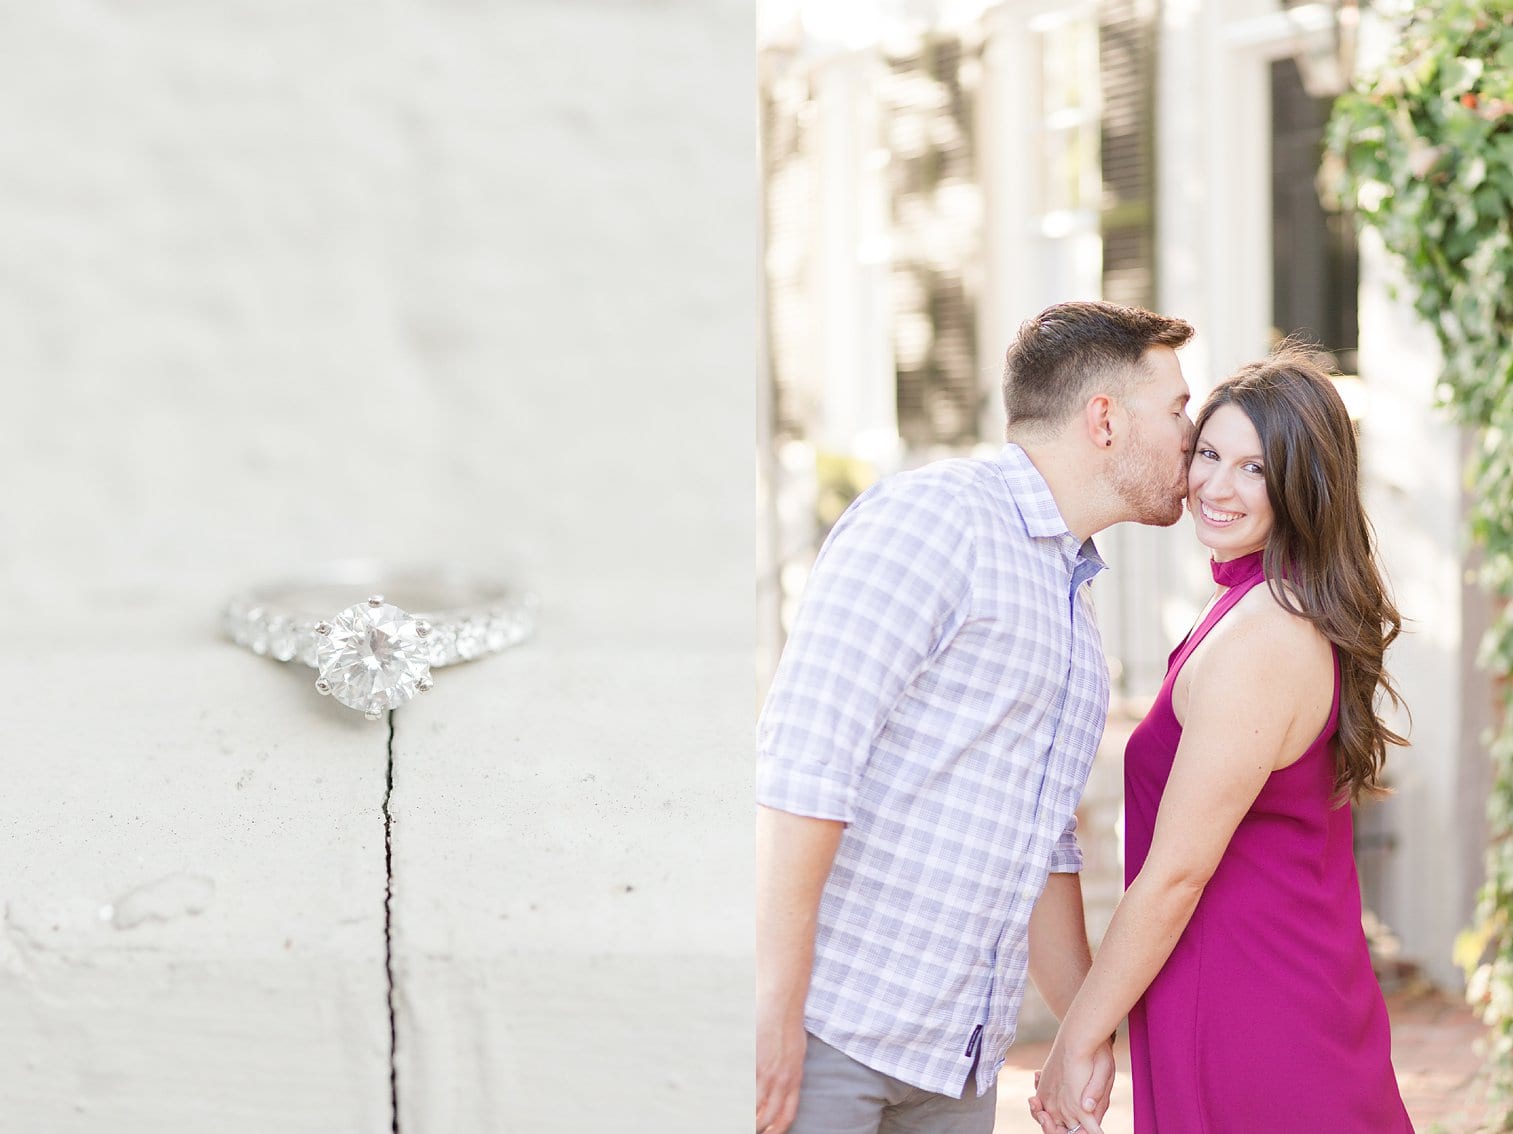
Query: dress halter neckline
x: 1232, y: 571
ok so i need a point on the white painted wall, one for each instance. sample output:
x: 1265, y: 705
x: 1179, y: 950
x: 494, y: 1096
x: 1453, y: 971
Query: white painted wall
x: 1214, y: 177
x: 282, y: 283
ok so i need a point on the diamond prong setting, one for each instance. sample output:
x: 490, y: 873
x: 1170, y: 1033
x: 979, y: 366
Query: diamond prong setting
x: 374, y: 658
x: 426, y: 683
x: 323, y: 687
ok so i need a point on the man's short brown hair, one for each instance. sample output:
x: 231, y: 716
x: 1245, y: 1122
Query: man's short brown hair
x: 1070, y: 351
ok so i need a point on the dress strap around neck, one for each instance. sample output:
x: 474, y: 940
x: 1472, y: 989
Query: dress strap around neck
x: 1231, y: 571
x: 1242, y: 585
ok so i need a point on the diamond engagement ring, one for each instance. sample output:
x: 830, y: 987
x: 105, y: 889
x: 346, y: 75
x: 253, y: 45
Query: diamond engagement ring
x: 373, y: 654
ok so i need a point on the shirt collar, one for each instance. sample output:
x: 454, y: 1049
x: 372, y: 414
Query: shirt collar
x: 1032, y: 499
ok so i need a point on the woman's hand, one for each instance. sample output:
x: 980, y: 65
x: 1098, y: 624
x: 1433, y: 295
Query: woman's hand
x: 1057, y: 1104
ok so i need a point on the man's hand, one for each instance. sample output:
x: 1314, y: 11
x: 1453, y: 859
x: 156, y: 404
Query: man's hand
x: 780, y: 1047
x: 794, y: 856
x: 1100, y: 1088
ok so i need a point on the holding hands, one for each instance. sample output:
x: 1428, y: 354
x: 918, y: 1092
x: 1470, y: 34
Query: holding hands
x: 1057, y: 1105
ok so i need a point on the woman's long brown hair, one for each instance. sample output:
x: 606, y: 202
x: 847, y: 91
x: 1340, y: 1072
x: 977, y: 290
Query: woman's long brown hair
x: 1320, y: 559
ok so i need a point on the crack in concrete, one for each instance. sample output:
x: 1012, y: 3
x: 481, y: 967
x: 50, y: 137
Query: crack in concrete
x: 389, y: 935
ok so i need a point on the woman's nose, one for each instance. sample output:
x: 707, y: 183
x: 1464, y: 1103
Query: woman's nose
x: 1220, y: 483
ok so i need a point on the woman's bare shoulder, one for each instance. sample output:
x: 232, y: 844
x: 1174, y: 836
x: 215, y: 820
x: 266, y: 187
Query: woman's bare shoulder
x: 1260, y: 623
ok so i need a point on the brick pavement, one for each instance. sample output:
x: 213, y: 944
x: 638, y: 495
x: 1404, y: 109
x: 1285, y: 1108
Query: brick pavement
x: 1434, y: 1049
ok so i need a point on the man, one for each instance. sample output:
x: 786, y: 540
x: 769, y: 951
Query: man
x: 928, y: 736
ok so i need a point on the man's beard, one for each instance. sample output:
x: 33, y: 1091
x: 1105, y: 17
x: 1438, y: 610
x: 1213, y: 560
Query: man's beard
x: 1146, y: 485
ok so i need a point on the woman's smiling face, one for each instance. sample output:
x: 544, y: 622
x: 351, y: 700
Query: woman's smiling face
x: 1226, y: 486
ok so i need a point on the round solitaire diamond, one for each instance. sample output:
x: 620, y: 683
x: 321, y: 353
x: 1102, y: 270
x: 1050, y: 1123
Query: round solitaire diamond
x: 373, y: 659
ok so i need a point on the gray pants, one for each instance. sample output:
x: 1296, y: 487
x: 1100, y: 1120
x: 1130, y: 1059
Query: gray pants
x: 841, y: 1096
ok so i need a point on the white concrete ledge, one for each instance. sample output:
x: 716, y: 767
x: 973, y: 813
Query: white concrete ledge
x: 573, y: 893
x: 193, y: 892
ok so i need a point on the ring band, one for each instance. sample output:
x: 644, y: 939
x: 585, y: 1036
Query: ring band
x: 373, y: 633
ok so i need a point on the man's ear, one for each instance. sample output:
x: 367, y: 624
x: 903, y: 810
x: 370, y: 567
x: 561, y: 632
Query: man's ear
x: 1098, y: 420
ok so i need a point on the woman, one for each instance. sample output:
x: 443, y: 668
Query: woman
x: 1237, y: 950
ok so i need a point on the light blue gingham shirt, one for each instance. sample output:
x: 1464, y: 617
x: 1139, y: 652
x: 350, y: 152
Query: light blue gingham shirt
x: 943, y: 693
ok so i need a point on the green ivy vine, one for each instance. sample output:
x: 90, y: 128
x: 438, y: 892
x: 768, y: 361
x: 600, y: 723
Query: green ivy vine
x: 1423, y: 151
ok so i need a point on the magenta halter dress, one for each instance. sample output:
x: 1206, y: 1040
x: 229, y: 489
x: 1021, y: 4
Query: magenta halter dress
x: 1267, y: 1019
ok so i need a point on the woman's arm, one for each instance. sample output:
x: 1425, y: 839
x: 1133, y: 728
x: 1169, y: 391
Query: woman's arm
x: 1253, y: 706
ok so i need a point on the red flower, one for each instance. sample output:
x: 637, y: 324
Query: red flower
x: 1468, y: 101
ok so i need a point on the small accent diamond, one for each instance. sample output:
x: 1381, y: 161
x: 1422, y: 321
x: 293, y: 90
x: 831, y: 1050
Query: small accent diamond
x: 472, y: 638
x: 282, y: 638
x: 257, y: 632
x: 443, y: 642
x: 304, y: 645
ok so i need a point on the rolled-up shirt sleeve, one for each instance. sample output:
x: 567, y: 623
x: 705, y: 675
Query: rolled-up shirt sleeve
x: 891, y: 584
x: 1066, y: 855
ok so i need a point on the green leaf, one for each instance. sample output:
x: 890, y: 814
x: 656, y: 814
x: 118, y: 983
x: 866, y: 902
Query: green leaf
x: 1457, y: 76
